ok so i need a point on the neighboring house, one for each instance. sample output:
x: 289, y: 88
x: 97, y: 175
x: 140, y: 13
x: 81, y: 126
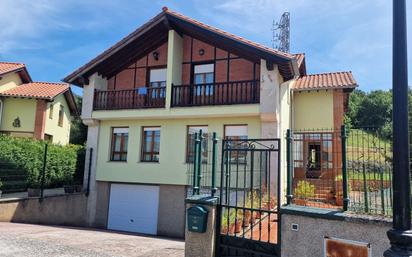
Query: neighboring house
x: 40, y: 110
x: 173, y: 76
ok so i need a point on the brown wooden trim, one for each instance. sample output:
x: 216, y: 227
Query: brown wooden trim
x: 187, y: 139
x: 232, y: 125
x: 112, y: 152
x: 143, y: 141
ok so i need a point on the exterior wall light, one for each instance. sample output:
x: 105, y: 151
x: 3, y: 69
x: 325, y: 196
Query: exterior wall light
x: 156, y: 55
x: 201, y: 51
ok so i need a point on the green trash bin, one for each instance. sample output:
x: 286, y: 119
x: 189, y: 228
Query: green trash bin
x: 197, y: 219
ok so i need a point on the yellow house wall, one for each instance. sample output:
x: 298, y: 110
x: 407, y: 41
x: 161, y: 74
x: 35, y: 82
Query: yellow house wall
x: 9, y: 81
x: 61, y: 135
x: 171, y: 168
x: 313, y: 110
x: 25, y: 109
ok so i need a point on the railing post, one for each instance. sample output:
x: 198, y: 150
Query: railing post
x: 196, y: 141
x: 43, y: 172
x: 365, y: 188
x: 289, y: 157
x: 199, y: 160
x: 344, y: 171
x: 214, y: 158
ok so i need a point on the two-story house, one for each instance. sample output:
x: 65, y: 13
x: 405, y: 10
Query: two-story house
x: 40, y: 110
x: 173, y: 76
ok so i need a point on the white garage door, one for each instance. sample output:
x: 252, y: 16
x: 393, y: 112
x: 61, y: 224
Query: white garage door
x: 133, y: 208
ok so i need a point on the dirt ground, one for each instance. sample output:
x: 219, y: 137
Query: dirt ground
x: 22, y: 240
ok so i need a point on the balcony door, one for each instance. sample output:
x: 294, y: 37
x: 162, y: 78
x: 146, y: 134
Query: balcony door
x: 203, y: 80
x: 156, y: 92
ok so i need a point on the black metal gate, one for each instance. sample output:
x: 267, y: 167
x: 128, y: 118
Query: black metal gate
x: 247, y: 220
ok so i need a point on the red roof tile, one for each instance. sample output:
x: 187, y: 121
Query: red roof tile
x: 333, y: 80
x: 299, y: 58
x: 43, y: 90
x: 6, y: 67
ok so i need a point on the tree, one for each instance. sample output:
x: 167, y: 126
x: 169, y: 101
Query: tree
x: 78, y: 131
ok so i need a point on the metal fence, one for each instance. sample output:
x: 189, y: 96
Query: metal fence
x: 349, y: 169
x: 49, y: 174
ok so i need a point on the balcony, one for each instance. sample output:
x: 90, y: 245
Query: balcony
x: 138, y: 98
x: 227, y: 93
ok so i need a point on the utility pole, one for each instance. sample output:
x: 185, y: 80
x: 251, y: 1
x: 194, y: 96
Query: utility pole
x: 400, y: 236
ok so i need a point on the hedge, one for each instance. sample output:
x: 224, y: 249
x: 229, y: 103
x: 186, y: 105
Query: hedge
x: 63, y: 162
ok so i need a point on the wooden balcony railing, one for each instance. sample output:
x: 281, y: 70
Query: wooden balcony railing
x: 130, y: 99
x: 227, y: 93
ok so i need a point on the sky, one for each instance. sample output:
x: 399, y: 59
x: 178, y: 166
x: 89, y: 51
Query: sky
x: 55, y: 37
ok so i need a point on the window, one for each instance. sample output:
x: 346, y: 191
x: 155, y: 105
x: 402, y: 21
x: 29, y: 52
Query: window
x: 48, y: 138
x: 237, y: 132
x: 51, y: 111
x: 61, y: 115
x: 191, y: 130
x: 158, y: 83
x: 120, y: 138
x: 204, y: 74
x: 150, y: 144
x: 317, y: 153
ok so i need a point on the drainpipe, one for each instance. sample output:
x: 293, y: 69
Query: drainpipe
x: 1, y: 110
x: 400, y: 236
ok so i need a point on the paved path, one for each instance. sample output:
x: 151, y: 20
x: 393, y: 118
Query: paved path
x: 22, y: 240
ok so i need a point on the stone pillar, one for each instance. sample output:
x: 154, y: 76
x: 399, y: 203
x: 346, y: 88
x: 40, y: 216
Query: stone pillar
x: 174, y: 64
x: 202, y: 244
x: 96, y: 82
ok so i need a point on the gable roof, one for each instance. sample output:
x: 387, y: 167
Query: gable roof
x: 154, y: 33
x: 8, y: 67
x: 43, y: 90
x: 333, y: 80
x: 301, y: 62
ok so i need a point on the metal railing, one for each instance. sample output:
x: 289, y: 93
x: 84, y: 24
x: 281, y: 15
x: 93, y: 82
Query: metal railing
x: 138, y: 98
x: 226, y: 93
x: 348, y: 169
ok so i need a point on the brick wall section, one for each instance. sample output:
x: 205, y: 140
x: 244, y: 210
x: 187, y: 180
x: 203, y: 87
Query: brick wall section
x: 40, y: 120
x: 136, y: 74
x: 338, y: 108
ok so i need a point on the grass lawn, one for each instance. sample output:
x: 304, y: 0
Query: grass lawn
x: 363, y: 145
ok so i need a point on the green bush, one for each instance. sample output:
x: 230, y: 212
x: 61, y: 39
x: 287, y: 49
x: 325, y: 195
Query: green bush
x: 28, y: 154
x: 304, y: 190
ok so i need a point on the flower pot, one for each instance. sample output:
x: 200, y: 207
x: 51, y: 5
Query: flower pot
x: 69, y: 189
x: 298, y: 201
x: 223, y: 229
x: 238, y: 226
x: 246, y: 219
x: 33, y: 192
x: 232, y: 229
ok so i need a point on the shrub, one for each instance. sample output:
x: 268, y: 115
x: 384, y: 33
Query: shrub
x: 305, y: 190
x: 28, y: 154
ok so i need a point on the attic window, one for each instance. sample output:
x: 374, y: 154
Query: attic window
x: 51, y: 111
x: 61, y: 115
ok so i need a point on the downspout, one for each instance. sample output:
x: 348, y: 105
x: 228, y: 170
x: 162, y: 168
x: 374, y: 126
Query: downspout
x: 1, y: 111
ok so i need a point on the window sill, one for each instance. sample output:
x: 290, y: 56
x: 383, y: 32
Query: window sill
x: 153, y: 162
x: 117, y: 161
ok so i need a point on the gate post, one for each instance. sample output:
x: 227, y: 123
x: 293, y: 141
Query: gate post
x: 202, y: 244
x: 344, y: 171
x: 289, y: 157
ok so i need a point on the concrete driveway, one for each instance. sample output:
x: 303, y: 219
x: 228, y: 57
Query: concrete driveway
x: 22, y: 240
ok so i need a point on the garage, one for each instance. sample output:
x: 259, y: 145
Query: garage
x: 133, y: 208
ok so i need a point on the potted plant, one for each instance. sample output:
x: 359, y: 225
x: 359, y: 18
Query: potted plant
x: 304, y: 191
x: 228, y: 222
x: 238, y: 222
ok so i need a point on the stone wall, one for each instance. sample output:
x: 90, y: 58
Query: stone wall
x: 308, y: 241
x: 67, y: 210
